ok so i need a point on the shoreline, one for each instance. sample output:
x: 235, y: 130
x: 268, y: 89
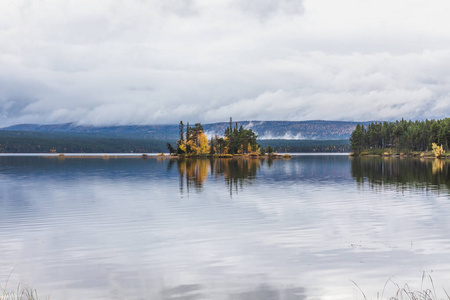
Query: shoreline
x: 222, y: 156
x: 146, y: 155
x: 427, y: 156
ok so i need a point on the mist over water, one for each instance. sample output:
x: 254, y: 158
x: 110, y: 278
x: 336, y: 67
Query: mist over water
x: 303, y: 228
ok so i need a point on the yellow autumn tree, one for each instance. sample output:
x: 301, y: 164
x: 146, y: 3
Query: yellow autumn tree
x: 437, y: 150
x: 187, y: 144
x: 198, y: 144
x: 202, y: 146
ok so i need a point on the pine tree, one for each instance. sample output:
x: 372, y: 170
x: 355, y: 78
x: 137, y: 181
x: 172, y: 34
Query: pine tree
x: 357, y: 139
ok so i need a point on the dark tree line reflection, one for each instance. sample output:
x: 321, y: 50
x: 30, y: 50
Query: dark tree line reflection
x: 236, y: 172
x: 261, y: 292
x: 402, y: 172
x: 428, y: 174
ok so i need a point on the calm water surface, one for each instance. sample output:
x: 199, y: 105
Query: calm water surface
x: 128, y: 228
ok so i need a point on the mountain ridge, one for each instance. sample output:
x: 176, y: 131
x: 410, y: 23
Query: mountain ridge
x: 287, y: 130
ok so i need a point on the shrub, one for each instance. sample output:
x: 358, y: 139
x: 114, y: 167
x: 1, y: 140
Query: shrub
x: 438, y: 150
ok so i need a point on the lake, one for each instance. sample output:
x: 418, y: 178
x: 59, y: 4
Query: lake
x: 158, y: 228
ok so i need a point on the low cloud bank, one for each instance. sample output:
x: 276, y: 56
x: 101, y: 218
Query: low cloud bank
x: 155, y: 62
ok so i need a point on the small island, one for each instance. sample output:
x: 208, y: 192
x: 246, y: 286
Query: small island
x: 236, y: 141
x: 429, y: 138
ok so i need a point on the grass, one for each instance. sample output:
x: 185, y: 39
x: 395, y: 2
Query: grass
x: 22, y: 293
x: 405, y: 292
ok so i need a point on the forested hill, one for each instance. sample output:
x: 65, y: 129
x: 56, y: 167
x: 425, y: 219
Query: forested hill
x: 401, y: 136
x: 287, y: 130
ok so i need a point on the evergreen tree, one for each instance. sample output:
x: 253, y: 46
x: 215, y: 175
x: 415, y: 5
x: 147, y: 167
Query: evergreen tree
x: 401, y: 136
x: 181, y: 140
x: 171, y: 149
x: 357, y: 140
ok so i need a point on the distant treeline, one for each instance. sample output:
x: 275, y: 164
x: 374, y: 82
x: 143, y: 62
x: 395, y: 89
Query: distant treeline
x: 44, y: 142
x: 299, y: 146
x: 63, y: 142
x: 401, y: 136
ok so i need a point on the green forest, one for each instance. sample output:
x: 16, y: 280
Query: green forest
x: 407, y: 137
x: 44, y: 142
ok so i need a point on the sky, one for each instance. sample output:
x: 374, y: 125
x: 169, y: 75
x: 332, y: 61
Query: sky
x: 120, y: 62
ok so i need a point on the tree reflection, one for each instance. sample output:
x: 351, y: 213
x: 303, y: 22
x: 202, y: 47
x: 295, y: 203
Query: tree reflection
x: 267, y: 292
x: 193, y: 171
x: 237, y: 172
x: 438, y: 166
x: 401, y: 172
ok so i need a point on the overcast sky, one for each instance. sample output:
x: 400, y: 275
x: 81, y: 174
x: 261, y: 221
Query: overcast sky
x: 161, y: 61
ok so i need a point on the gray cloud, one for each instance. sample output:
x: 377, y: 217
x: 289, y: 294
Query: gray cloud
x: 266, y: 8
x: 138, y: 62
x: 180, y: 7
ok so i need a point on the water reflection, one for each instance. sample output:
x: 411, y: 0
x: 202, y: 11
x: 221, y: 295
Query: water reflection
x: 236, y: 172
x: 193, y: 172
x: 185, y: 292
x: 266, y: 292
x: 261, y: 292
x: 402, y: 172
x: 298, y: 229
x: 438, y: 166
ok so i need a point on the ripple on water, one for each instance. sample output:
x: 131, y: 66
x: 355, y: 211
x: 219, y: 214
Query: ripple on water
x: 299, y: 228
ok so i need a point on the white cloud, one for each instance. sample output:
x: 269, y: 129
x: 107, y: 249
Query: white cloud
x: 125, y: 62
